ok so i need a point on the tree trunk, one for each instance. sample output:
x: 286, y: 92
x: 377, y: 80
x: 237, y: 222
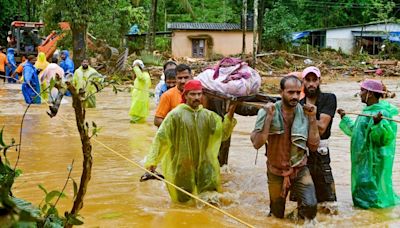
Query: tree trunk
x: 28, y: 9
x: 83, y: 129
x: 79, y: 37
x: 261, y: 23
x: 255, y: 34
x: 244, y: 28
x: 151, y: 34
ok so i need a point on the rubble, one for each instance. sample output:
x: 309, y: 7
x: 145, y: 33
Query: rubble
x: 274, y: 65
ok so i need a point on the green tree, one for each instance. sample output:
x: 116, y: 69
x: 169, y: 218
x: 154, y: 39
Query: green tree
x: 109, y: 19
x: 151, y: 34
x: 278, y: 23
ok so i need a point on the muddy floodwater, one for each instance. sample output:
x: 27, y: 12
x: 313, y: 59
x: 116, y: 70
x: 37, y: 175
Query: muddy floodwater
x: 116, y: 198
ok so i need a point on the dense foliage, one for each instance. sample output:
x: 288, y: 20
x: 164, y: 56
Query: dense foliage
x: 283, y: 17
x: 111, y: 19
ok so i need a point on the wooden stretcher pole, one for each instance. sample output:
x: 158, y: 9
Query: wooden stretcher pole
x: 361, y: 114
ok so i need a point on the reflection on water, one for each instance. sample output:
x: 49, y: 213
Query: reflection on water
x: 116, y: 198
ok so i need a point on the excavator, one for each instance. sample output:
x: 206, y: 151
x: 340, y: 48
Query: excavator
x: 28, y: 41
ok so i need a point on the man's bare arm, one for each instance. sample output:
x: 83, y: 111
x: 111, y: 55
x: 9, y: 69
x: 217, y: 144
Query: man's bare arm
x: 323, y: 123
x: 158, y: 121
x: 259, y: 138
x: 313, y: 133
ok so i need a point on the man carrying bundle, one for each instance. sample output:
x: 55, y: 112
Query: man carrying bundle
x: 187, y: 144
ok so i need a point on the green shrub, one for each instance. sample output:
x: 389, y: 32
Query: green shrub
x: 278, y: 62
x: 150, y: 59
x: 163, y: 44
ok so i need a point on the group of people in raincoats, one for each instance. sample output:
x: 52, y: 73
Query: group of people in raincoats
x: 36, y: 74
x: 189, y: 136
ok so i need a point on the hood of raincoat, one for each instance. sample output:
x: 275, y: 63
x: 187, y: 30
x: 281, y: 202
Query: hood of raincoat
x: 10, y: 51
x: 187, y: 144
x: 67, y: 64
x: 41, y: 62
x: 66, y: 53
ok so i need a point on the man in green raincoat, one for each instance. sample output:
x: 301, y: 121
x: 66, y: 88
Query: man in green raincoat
x: 373, y: 142
x: 84, y: 77
x: 140, y: 94
x: 187, y: 144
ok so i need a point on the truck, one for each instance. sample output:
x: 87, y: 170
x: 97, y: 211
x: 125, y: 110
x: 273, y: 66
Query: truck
x: 28, y: 41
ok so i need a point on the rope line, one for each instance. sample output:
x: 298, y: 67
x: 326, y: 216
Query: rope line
x: 135, y: 163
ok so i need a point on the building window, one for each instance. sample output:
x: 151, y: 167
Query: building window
x: 198, y: 48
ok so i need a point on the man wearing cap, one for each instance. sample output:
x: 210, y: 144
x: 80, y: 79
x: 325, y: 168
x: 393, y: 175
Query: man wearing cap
x: 373, y: 145
x: 187, y: 144
x: 319, y: 161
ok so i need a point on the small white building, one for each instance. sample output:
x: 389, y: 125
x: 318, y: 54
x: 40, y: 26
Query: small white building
x: 346, y: 38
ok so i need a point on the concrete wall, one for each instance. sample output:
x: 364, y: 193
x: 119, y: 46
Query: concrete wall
x: 343, y: 37
x: 224, y: 42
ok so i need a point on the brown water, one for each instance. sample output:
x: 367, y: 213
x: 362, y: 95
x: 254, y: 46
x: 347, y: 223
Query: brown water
x: 116, y: 198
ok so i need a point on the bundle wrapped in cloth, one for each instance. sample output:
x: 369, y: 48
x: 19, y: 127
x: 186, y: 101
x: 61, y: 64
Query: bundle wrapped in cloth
x: 231, y: 76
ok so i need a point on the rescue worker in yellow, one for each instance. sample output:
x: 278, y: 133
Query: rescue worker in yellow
x: 41, y: 64
x: 84, y: 78
x: 140, y: 93
x: 187, y: 144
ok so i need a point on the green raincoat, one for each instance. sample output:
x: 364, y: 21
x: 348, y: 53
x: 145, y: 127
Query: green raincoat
x: 372, y: 155
x: 83, y: 79
x: 140, y: 96
x: 187, y: 143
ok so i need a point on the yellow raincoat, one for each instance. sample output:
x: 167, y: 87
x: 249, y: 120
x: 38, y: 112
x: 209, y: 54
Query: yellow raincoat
x: 187, y: 143
x: 82, y: 79
x: 140, y: 96
x: 41, y: 64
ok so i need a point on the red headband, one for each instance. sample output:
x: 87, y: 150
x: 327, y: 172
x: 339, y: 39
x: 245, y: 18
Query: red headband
x: 189, y: 86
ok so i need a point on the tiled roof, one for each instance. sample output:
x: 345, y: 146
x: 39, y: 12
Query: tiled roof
x: 202, y: 26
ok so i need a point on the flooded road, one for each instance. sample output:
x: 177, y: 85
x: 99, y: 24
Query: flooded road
x: 116, y: 198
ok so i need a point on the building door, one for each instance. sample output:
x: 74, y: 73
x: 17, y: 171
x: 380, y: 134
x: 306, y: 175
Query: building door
x: 198, y: 48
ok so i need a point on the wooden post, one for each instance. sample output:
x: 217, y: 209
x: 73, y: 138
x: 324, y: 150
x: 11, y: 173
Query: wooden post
x: 255, y: 34
x: 244, y: 28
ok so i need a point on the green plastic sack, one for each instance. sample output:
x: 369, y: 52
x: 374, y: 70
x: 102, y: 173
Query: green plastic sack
x: 372, y: 154
x: 140, y: 95
x: 187, y: 144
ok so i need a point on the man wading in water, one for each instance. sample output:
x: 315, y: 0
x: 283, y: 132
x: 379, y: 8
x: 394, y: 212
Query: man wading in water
x: 373, y: 146
x: 187, y: 144
x: 319, y: 161
x: 289, y: 130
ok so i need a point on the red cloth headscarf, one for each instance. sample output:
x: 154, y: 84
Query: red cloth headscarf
x: 189, y: 86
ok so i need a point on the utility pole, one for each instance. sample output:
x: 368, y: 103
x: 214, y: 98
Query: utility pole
x: 244, y: 28
x: 255, y: 34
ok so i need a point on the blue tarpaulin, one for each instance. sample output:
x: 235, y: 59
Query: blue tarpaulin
x: 134, y: 30
x: 394, y: 37
x: 299, y: 35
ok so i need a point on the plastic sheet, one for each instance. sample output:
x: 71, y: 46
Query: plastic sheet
x: 372, y: 155
x: 187, y: 143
